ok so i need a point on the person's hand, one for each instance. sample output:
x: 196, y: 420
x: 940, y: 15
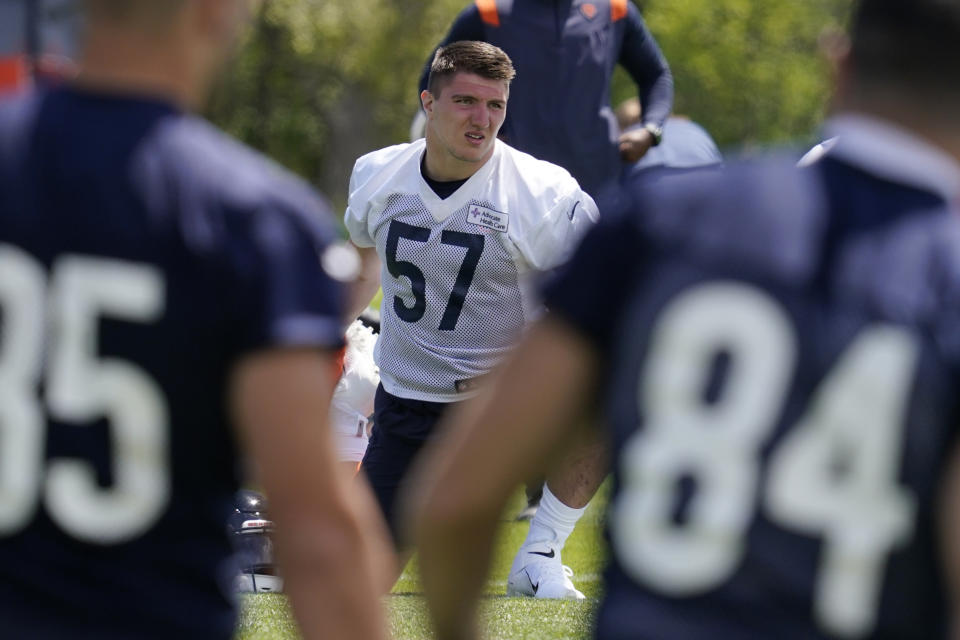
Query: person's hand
x: 634, y: 144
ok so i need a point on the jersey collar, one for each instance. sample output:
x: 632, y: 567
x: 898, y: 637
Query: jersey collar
x: 441, y: 209
x: 886, y: 150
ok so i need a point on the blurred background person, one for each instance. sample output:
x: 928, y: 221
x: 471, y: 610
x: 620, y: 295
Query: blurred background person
x: 686, y: 147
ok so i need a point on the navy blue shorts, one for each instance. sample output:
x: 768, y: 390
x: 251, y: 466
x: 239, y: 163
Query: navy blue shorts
x: 401, y: 427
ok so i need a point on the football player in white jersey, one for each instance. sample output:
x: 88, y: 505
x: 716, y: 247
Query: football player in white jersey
x: 455, y: 227
x: 352, y: 403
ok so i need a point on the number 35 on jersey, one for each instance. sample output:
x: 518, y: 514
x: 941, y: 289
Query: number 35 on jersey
x: 60, y: 313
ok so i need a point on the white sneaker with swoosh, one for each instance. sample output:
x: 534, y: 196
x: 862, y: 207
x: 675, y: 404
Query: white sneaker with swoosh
x: 537, y: 572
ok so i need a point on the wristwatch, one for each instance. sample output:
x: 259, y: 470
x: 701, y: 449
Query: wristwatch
x: 655, y: 131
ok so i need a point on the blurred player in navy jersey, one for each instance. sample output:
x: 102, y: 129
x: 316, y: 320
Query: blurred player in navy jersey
x: 779, y: 381
x: 160, y: 286
x: 686, y: 148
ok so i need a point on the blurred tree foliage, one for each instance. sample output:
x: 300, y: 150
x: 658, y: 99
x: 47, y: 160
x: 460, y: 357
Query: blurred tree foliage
x: 319, y: 82
x: 749, y: 70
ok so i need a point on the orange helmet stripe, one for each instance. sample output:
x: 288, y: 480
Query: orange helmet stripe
x: 488, y: 12
x: 618, y: 9
x: 13, y: 72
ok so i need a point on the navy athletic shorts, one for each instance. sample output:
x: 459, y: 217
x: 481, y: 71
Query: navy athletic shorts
x: 401, y: 427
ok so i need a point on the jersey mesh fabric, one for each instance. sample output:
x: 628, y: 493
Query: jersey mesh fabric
x: 417, y: 359
x: 528, y: 215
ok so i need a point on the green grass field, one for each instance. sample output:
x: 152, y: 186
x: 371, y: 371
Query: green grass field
x: 266, y: 616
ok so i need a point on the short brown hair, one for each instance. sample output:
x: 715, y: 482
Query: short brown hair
x: 469, y: 56
x: 912, y: 46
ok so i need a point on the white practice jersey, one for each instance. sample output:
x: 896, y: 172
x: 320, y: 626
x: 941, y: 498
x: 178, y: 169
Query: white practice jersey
x: 353, y: 397
x: 456, y: 273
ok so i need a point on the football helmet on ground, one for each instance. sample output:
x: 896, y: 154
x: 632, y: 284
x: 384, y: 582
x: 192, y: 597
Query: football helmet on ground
x: 250, y: 528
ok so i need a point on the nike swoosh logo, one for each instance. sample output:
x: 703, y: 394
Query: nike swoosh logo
x: 536, y: 585
x: 573, y: 211
x: 544, y: 553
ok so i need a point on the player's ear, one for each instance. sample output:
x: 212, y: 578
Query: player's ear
x: 842, y: 69
x: 427, y: 100
x: 834, y: 46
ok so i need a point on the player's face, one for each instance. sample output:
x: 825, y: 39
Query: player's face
x: 462, y: 124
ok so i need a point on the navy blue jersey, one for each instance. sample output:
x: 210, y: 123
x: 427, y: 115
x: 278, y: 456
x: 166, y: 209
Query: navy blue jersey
x: 686, y: 149
x: 142, y: 254
x: 565, y: 52
x: 783, y: 359
x: 686, y: 145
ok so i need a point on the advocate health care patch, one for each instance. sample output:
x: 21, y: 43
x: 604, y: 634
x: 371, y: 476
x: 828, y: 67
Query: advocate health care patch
x: 488, y: 218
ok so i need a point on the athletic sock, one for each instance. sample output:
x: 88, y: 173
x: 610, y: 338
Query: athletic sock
x: 553, y: 522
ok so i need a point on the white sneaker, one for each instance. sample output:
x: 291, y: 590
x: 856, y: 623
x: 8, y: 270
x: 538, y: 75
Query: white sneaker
x: 537, y: 572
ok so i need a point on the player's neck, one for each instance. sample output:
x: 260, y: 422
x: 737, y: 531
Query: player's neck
x: 945, y: 136
x: 123, y: 63
x: 438, y: 164
x: 936, y: 124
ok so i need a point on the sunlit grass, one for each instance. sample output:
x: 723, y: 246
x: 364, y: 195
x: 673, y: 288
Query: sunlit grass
x: 267, y: 616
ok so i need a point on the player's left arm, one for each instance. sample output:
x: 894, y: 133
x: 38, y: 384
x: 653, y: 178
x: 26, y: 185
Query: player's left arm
x: 537, y: 404
x: 950, y: 535
x: 641, y: 56
x: 548, y: 238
